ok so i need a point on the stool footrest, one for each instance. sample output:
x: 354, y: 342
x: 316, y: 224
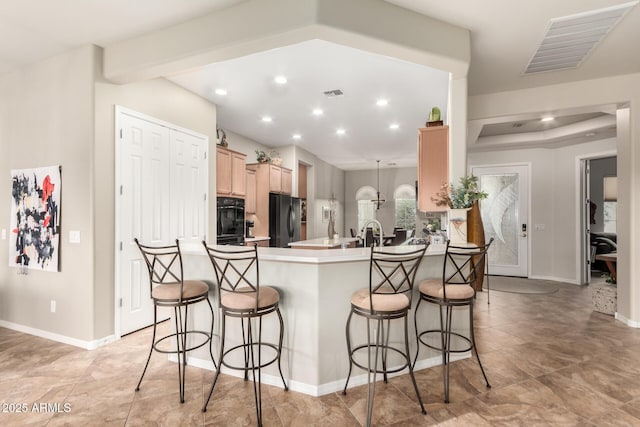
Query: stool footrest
x: 438, y: 331
x: 249, y: 368
x: 381, y: 348
x: 158, y: 341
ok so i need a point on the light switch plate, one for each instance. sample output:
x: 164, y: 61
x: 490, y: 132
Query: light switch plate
x: 74, y: 236
x: 539, y: 227
x: 4, y: 234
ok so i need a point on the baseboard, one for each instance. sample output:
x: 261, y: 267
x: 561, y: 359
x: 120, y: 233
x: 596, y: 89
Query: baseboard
x: 87, y: 345
x: 322, y: 389
x: 628, y: 322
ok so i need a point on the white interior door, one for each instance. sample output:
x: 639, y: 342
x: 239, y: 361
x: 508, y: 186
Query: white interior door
x: 505, y: 216
x: 143, y: 212
x: 161, y: 189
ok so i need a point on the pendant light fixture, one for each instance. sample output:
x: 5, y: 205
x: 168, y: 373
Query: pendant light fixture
x: 378, y: 202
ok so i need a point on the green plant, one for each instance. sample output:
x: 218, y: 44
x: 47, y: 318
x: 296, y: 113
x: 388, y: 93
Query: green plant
x: 610, y: 279
x: 462, y: 196
x: 262, y: 157
x: 434, y: 114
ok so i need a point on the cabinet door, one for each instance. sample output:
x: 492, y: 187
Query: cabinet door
x: 433, y: 165
x: 223, y: 171
x: 238, y: 174
x: 302, y: 181
x: 250, y: 197
x: 286, y: 181
x: 275, y: 179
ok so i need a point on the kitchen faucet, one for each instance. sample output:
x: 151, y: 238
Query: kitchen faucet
x: 364, y: 230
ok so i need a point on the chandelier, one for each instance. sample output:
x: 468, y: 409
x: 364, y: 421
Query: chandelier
x: 378, y: 202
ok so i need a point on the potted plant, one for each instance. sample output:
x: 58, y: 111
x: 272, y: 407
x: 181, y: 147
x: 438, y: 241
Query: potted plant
x: 460, y: 199
x: 262, y: 156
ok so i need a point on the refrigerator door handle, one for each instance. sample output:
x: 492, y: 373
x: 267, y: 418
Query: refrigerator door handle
x: 290, y: 222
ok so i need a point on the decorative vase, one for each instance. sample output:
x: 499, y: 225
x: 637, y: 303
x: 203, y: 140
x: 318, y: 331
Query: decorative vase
x: 331, y: 229
x: 475, y: 230
x: 457, y: 226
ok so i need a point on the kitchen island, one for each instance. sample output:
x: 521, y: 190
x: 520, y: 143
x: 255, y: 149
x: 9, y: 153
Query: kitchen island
x: 339, y: 243
x: 315, y: 288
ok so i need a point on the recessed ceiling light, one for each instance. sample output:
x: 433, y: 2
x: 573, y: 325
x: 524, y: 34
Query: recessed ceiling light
x: 267, y: 119
x: 221, y: 92
x: 317, y: 112
x: 547, y: 119
x: 280, y: 80
x: 296, y: 136
x: 394, y: 126
x: 381, y: 102
x: 341, y: 131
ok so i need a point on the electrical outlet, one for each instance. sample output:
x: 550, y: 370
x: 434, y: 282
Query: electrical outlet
x: 4, y: 234
x: 74, y: 236
x: 53, y: 306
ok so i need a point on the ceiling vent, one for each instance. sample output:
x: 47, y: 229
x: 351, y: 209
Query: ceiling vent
x: 569, y: 39
x: 333, y: 93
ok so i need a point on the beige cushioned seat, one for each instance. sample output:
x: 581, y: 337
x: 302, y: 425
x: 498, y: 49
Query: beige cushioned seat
x: 433, y: 288
x: 381, y: 302
x: 246, y: 301
x: 191, y: 289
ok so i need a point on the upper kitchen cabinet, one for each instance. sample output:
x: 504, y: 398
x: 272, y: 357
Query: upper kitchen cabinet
x: 433, y: 165
x: 279, y: 177
x: 250, y: 199
x: 230, y: 173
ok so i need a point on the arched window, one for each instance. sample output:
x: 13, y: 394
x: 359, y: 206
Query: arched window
x: 405, y: 201
x: 366, y: 208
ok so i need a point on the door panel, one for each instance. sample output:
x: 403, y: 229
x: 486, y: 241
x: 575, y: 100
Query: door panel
x: 505, y: 217
x: 143, y: 213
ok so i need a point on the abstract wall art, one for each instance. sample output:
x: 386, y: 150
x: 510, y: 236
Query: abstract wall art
x: 35, y: 218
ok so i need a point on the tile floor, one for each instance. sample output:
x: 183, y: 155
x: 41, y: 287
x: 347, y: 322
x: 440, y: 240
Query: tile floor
x: 550, y: 358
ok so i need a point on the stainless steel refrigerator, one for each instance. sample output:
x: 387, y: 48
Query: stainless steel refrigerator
x: 284, y: 220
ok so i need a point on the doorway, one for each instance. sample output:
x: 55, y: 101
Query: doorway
x: 161, y: 189
x: 505, y: 216
x: 598, y: 214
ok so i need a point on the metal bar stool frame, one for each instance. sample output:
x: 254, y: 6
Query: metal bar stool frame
x: 397, y: 272
x: 460, y: 268
x: 232, y: 267
x: 164, y: 264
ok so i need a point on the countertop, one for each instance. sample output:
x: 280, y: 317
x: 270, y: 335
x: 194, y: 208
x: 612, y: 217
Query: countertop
x: 256, y: 239
x: 325, y: 243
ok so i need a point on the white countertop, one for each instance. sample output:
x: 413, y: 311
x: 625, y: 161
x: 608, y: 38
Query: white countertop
x: 325, y: 243
x: 257, y: 239
x: 317, y: 256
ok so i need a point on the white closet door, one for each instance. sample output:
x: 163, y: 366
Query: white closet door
x: 143, y: 212
x: 188, y: 187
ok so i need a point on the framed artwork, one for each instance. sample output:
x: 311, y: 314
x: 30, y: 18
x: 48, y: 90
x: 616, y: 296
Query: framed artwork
x: 35, y: 218
x: 326, y: 213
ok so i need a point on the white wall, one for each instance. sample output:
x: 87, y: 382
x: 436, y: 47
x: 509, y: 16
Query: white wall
x: 390, y: 179
x: 553, y: 193
x: 46, y: 119
x: 242, y: 144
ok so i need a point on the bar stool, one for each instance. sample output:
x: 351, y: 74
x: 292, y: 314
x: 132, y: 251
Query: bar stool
x: 169, y: 289
x: 455, y: 289
x: 388, y: 297
x: 242, y: 296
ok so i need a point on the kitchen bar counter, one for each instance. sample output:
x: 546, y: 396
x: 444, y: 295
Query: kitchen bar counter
x: 315, y: 288
x: 349, y: 242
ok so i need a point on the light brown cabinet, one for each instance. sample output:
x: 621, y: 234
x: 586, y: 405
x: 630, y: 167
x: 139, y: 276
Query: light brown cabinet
x: 250, y: 197
x: 269, y: 179
x: 230, y: 173
x: 433, y: 165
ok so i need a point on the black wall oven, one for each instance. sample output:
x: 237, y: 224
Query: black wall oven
x: 230, y: 221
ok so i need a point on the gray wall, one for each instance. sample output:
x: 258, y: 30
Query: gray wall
x: 390, y: 179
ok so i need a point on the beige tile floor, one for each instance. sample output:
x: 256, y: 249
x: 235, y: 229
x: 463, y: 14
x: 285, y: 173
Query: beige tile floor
x: 550, y: 358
